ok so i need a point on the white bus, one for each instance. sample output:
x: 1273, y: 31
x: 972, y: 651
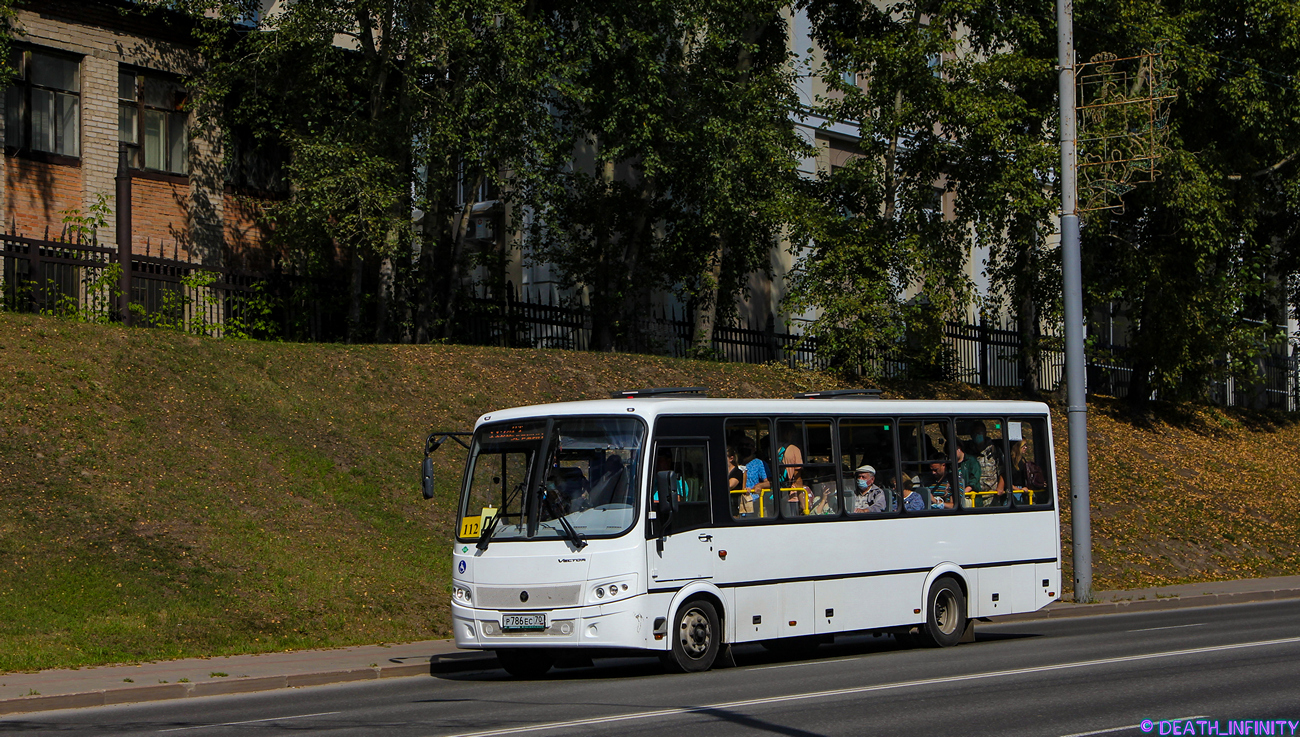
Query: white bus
x: 663, y: 520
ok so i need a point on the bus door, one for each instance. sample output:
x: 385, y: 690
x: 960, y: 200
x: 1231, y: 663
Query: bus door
x: 681, y: 546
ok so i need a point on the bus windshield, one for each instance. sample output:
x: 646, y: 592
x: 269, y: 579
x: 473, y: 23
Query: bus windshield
x: 587, y: 479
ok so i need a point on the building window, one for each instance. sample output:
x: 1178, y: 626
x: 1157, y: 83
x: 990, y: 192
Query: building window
x: 151, y: 116
x: 43, y: 107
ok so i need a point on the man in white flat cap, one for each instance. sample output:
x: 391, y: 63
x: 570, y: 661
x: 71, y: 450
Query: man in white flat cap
x: 867, y: 497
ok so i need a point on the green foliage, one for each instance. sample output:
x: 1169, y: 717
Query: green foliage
x: 677, y: 116
x: 84, y: 227
x: 102, y: 290
x: 948, y: 98
x: 7, y: 33
x: 253, y: 316
x: 652, y: 147
x: 1198, y: 262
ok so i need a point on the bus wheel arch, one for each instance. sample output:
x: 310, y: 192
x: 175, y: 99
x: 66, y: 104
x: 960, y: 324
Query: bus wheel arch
x: 696, y: 629
x: 946, y: 616
x: 950, y: 570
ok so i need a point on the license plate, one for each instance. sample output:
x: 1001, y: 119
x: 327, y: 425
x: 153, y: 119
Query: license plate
x: 523, y: 621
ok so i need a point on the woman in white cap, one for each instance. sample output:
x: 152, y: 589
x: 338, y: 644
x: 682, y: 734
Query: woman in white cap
x: 867, y: 497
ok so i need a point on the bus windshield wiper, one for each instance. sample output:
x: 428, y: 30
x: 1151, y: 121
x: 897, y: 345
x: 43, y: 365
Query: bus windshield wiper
x: 579, y: 541
x: 485, y: 536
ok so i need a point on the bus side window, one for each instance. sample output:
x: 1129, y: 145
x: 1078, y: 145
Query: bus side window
x: 983, y: 466
x: 753, y: 498
x: 929, y: 465
x: 870, y: 476
x: 690, y: 463
x: 805, y: 471
x: 1031, y: 480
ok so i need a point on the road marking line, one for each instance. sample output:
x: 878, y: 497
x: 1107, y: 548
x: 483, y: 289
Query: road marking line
x: 1170, y: 627
x: 865, y: 689
x: 250, y: 721
x: 1131, y: 726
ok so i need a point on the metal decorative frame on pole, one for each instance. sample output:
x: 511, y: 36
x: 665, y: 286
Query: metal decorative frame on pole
x: 1081, y: 515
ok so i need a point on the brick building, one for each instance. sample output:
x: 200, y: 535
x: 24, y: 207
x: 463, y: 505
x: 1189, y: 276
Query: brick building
x: 91, y: 75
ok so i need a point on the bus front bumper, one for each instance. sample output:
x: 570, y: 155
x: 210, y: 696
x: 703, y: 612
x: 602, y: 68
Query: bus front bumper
x: 620, y: 625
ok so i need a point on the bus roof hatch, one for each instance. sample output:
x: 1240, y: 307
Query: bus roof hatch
x: 662, y: 391
x: 841, y: 394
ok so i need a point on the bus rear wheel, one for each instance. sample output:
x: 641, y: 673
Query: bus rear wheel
x: 696, y: 637
x: 945, y: 614
x: 526, y: 664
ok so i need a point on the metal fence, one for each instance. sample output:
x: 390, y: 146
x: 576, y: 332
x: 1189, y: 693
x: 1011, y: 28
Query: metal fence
x: 84, y: 280
x: 988, y: 354
x: 982, y: 354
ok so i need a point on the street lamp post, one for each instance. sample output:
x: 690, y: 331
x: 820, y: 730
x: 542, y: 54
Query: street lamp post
x: 1073, y: 294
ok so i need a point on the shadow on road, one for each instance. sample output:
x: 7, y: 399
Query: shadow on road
x: 747, y: 655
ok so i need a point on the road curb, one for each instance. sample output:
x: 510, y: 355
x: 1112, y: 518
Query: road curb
x: 436, y: 665
x: 1061, y: 610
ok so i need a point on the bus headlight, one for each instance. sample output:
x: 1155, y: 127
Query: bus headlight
x: 607, y: 590
x: 461, y: 594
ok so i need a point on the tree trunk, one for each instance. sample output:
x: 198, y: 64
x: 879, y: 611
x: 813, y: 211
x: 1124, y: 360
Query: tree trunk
x: 1030, y: 358
x: 384, y: 298
x: 604, y: 293
x: 1027, y: 314
x: 891, y: 154
x: 354, y: 295
x: 451, y: 296
x: 706, y: 306
x: 632, y: 248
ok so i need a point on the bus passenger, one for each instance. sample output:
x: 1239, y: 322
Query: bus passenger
x: 735, y: 476
x: 888, y: 484
x: 1001, y: 498
x: 754, y: 474
x: 940, y: 486
x: 969, y: 472
x: 912, y: 501
x: 1026, y: 476
x: 789, y: 459
x: 867, y: 496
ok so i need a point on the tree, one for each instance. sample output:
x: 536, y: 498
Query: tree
x: 386, y: 107
x: 7, y: 32
x: 943, y: 94
x: 1196, y: 262
x: 683, y: 155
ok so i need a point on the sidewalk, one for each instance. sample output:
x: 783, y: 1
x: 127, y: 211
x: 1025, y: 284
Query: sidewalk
x: 176, y: 679
x: 1172, y: 597
x: 121, y: 684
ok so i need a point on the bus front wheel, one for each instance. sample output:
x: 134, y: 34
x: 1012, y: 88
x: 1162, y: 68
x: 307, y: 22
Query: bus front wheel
x: 696, y: 636
x: 945, y: 618
x: 526, y: 664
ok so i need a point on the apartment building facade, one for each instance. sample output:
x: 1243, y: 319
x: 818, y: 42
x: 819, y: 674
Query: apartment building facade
x: 96, y: 81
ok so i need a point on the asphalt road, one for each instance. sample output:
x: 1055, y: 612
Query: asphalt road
x: 1066, y: 677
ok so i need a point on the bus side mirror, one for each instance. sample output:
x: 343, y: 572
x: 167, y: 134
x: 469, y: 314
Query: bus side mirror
x: 667, y: 485
x: 426, y: 477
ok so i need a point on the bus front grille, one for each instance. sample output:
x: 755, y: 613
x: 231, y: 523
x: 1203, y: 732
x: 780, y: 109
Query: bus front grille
x: 527, y: 597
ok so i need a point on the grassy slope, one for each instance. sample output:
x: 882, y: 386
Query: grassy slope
x: 167, y: 496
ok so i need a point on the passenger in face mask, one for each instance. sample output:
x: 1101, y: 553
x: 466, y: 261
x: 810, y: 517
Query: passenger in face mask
x: 867, y: 497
